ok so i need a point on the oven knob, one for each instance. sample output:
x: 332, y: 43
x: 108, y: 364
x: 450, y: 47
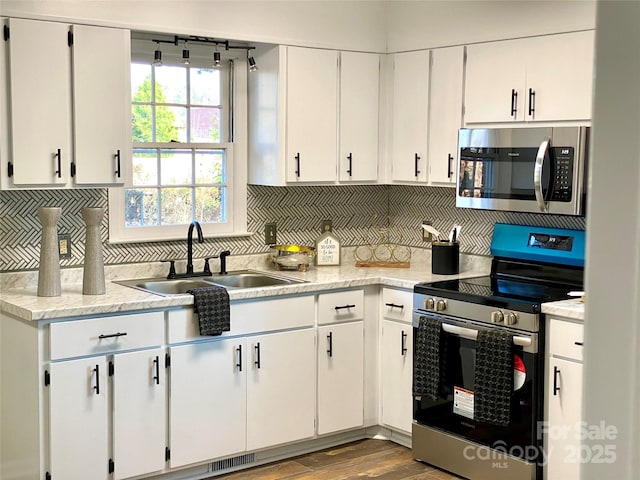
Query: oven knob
x: 511, y: 318
x: 441, y: 305
x: 429, y: 303
x: 497, y: 317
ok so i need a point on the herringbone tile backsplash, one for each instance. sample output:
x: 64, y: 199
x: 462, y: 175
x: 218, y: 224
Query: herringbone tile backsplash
x: 298, y: 212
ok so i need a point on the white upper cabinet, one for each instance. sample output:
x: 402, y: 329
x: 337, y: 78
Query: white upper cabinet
x: 546, y: 78
x: 39, y: 103
x: 68, y: 98
x: 445, y: 113
x: 101, y: 59
x: 410, y: 116
x: 359, y: 100
x: 311, y: 115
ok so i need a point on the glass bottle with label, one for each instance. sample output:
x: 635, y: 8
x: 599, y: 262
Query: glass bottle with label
x: 327, y: 248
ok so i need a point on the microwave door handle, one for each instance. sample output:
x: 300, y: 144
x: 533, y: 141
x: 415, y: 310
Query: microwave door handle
x: 473, y: 334
x: 537, y: 174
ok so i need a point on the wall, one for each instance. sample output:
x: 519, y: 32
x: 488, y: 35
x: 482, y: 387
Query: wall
x: 298, y: 211
x: 414, y: 25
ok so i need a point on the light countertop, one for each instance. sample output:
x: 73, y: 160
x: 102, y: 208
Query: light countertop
x: 19, y: 298
x: 572, y: 308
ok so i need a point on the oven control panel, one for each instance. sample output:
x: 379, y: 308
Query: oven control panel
x: 435, y: 304
x: 500, y: 316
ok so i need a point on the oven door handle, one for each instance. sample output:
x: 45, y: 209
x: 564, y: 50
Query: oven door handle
x: 473, y: 334
x: 537, y: 174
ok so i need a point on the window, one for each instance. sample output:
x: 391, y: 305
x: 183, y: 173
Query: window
x: 189, y: 155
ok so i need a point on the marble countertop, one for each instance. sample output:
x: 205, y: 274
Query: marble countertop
x: 573, y: 308
x: 18, y: 294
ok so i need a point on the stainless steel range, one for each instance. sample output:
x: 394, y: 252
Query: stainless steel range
x: 479, y: 356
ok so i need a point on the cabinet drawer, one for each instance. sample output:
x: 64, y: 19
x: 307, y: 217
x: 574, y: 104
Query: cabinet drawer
x: 340, y: 306
x: 397, y: 304
x: 246, y: 318
x: 106, y: 334
x: 566, y: 338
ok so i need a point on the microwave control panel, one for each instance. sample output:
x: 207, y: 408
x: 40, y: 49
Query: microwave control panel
x: 563, y: 174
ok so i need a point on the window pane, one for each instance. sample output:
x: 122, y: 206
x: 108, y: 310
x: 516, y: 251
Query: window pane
x: 210, y: 166
x: 141, y: 207
x: 145, y: 167
x: 171, y: 85
x: 175, y: 167
x: 205, y: 86
x: 141, y: 123
x: 176, y: 206
x: 171, y: 124
x: 205, y: 125
x: 209, y: 206
x: 140, y: 82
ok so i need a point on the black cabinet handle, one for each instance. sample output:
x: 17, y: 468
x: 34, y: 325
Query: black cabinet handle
x: 58, y: 155
x: 344, y: 306
x: 297, y: 157
x: 111, y: 335
x: 239, y: 364
x: 96, y: 387
x: 449, y: 171
x: 117, y: 172
x: 580, y: 344
x: 416, y: 171
x: 156, y: 363
x: 532, y: 101
x: 256, y: 349
x: 393, y: 305
x: 403, y: 343
x: 330, y: 339
x: 514, y: 102
x: 350, y: 158
x: 556, y: 388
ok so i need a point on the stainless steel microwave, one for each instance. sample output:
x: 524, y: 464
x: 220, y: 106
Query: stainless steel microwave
x: 529, y: 169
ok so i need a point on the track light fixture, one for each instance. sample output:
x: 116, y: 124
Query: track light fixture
x: 217, y: 62
x: 185, y: 55
x: 157, y: 56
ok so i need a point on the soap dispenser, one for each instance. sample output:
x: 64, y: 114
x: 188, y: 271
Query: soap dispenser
x: 327, y: 247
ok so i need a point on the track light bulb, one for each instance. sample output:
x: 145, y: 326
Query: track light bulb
x: 157, y: 57
x: 252, y: 64
x: 185, y: 56
x: 216, y: 59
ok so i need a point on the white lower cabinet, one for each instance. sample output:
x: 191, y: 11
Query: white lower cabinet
x: 396, y: 360
x: 280, y: 388
x: 91, y: 400
x: 340, y: 377
x: 207, y: 408
x: 564, y: 400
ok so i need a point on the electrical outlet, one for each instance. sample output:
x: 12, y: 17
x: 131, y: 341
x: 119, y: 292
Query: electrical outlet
x: 270, y: 231
x: 327, y: 226
x: 426, y: 236
x: 64, y: 245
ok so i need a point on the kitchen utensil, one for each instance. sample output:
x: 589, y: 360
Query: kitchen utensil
x: 291, y: 257
x: 432, y: 231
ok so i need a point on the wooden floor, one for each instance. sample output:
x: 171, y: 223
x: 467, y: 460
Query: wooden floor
x: 379, y: 459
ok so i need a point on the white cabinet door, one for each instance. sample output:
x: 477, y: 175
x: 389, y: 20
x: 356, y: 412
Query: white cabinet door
x: 445, y: 113
x: 560, y: 76
x: 40, y: 102
x: 280, y: 388
x: 312, y: 115
x: 564, y: 399
x: 79, y: 419
x: 207, y: 404
x: 359, y: 94
x: 396, y: 375
x: 495, y: 82
x: 410, y: 116
x: 340, y: 377
x: 102, y: 104
x: 139, y: 413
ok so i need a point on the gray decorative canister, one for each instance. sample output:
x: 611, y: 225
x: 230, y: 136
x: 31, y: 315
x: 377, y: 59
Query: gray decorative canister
x: 49, y: 267
x: 93, y: 274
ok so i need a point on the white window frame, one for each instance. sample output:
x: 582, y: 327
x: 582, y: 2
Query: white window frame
x: 236, y: 158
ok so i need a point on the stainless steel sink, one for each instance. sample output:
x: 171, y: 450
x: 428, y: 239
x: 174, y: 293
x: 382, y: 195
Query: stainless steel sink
x: 231, y: 280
